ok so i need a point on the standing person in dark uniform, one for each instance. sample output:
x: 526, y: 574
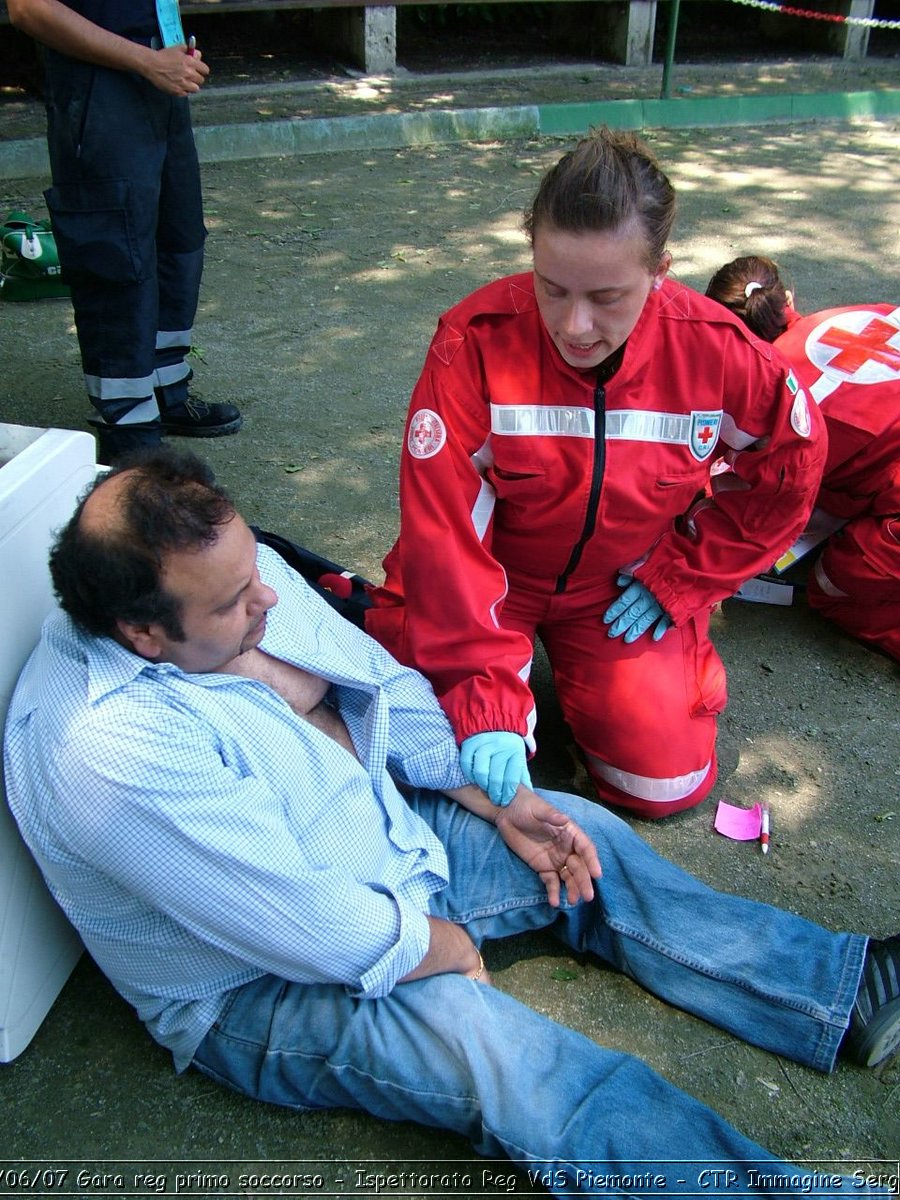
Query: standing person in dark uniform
x: 126, y: 209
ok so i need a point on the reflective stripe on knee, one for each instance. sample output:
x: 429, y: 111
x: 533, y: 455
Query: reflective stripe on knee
x: 647, y: 787
x: 167, y: 376
x: 112, y: 413
x: 174, y: 339
x: 102, y: 388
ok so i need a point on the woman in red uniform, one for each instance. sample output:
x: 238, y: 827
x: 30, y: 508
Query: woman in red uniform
x: 848, y: 359
x: 554, y: 483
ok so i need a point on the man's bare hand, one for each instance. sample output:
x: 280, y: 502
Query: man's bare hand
x: 175, y: 71
x: 552, y: 845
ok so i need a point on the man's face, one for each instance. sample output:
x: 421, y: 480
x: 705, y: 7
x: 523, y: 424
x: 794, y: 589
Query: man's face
x: 222, y: 599
x: 590, y: 289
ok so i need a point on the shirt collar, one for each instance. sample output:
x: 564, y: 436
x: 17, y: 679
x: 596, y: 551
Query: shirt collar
x: 111, y: 666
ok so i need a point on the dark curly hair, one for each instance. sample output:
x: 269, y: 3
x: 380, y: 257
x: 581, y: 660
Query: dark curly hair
x: 609, y: 179
x: 168, y: 501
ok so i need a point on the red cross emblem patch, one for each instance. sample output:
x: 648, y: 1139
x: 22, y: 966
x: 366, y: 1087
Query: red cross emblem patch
x: 857, y: 347
x: 704, y: 433
x: 426, y: 435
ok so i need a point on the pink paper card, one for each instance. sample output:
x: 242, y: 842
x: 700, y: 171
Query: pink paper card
x: 741, y: 824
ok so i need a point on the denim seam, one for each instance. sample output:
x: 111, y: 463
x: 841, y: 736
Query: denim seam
x: 269, y: 1052
x: 478, y: 914
x: 460, y: 1100
x: 817, y: 1013
x: 822, y: 1055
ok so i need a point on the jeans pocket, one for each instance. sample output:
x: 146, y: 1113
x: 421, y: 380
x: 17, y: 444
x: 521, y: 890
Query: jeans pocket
x: 92, y: 224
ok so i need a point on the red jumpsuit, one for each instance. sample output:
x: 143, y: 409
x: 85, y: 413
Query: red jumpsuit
x: 526, y: 486
x: 849, y: 362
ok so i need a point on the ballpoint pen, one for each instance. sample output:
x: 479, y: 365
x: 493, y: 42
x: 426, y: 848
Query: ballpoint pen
x: 764, y: 829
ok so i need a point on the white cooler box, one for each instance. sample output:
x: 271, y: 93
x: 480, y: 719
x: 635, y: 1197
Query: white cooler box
x: 42, y: 473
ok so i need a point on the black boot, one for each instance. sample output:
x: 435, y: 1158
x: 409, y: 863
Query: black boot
x: 196, y: 418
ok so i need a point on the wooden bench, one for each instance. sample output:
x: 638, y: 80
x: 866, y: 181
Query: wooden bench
x: 366, y: 30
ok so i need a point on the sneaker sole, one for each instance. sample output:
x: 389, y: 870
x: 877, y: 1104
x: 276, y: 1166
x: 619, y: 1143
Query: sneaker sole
x: 203, y: 431
x: 881, y: 1038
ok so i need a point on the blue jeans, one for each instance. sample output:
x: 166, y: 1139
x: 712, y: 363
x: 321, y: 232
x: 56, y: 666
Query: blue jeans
x: 447, y: 1052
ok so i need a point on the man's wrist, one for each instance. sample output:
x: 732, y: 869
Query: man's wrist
x: 471, y: 796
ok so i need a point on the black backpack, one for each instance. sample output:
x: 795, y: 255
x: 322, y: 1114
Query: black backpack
x: 345, y: 591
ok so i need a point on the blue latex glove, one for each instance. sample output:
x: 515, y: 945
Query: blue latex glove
x: 496, y: 762
x: 635, y: 611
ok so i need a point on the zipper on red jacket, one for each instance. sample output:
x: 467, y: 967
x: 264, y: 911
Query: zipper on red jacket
x: 590, y: 517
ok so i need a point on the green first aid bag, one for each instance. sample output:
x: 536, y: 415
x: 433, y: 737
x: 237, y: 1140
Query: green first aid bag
x: 29, y: 264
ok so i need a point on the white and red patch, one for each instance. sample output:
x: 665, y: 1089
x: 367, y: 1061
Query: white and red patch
x: 801, y: 422
x: 427, y: 434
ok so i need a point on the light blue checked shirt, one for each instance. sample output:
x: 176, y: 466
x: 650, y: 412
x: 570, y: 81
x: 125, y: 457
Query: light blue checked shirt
x: 199, y: 834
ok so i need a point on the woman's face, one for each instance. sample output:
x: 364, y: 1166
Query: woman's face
x: 590, y: 289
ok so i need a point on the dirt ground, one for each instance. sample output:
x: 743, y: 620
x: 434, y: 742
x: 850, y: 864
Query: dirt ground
x: 324, y: 280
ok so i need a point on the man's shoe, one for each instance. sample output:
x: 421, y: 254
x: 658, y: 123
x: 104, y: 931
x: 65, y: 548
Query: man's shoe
x: 196, y: 418
x: 874, y: 1031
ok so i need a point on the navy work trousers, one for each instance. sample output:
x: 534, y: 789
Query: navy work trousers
x: 127, y: 213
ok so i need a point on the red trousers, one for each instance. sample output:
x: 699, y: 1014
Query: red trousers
x: 643, y: 714
x: 856, y: 582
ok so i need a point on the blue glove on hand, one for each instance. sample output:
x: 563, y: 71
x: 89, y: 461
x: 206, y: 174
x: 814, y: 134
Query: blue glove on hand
x: 635, y: 611
x: 497, y: 763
